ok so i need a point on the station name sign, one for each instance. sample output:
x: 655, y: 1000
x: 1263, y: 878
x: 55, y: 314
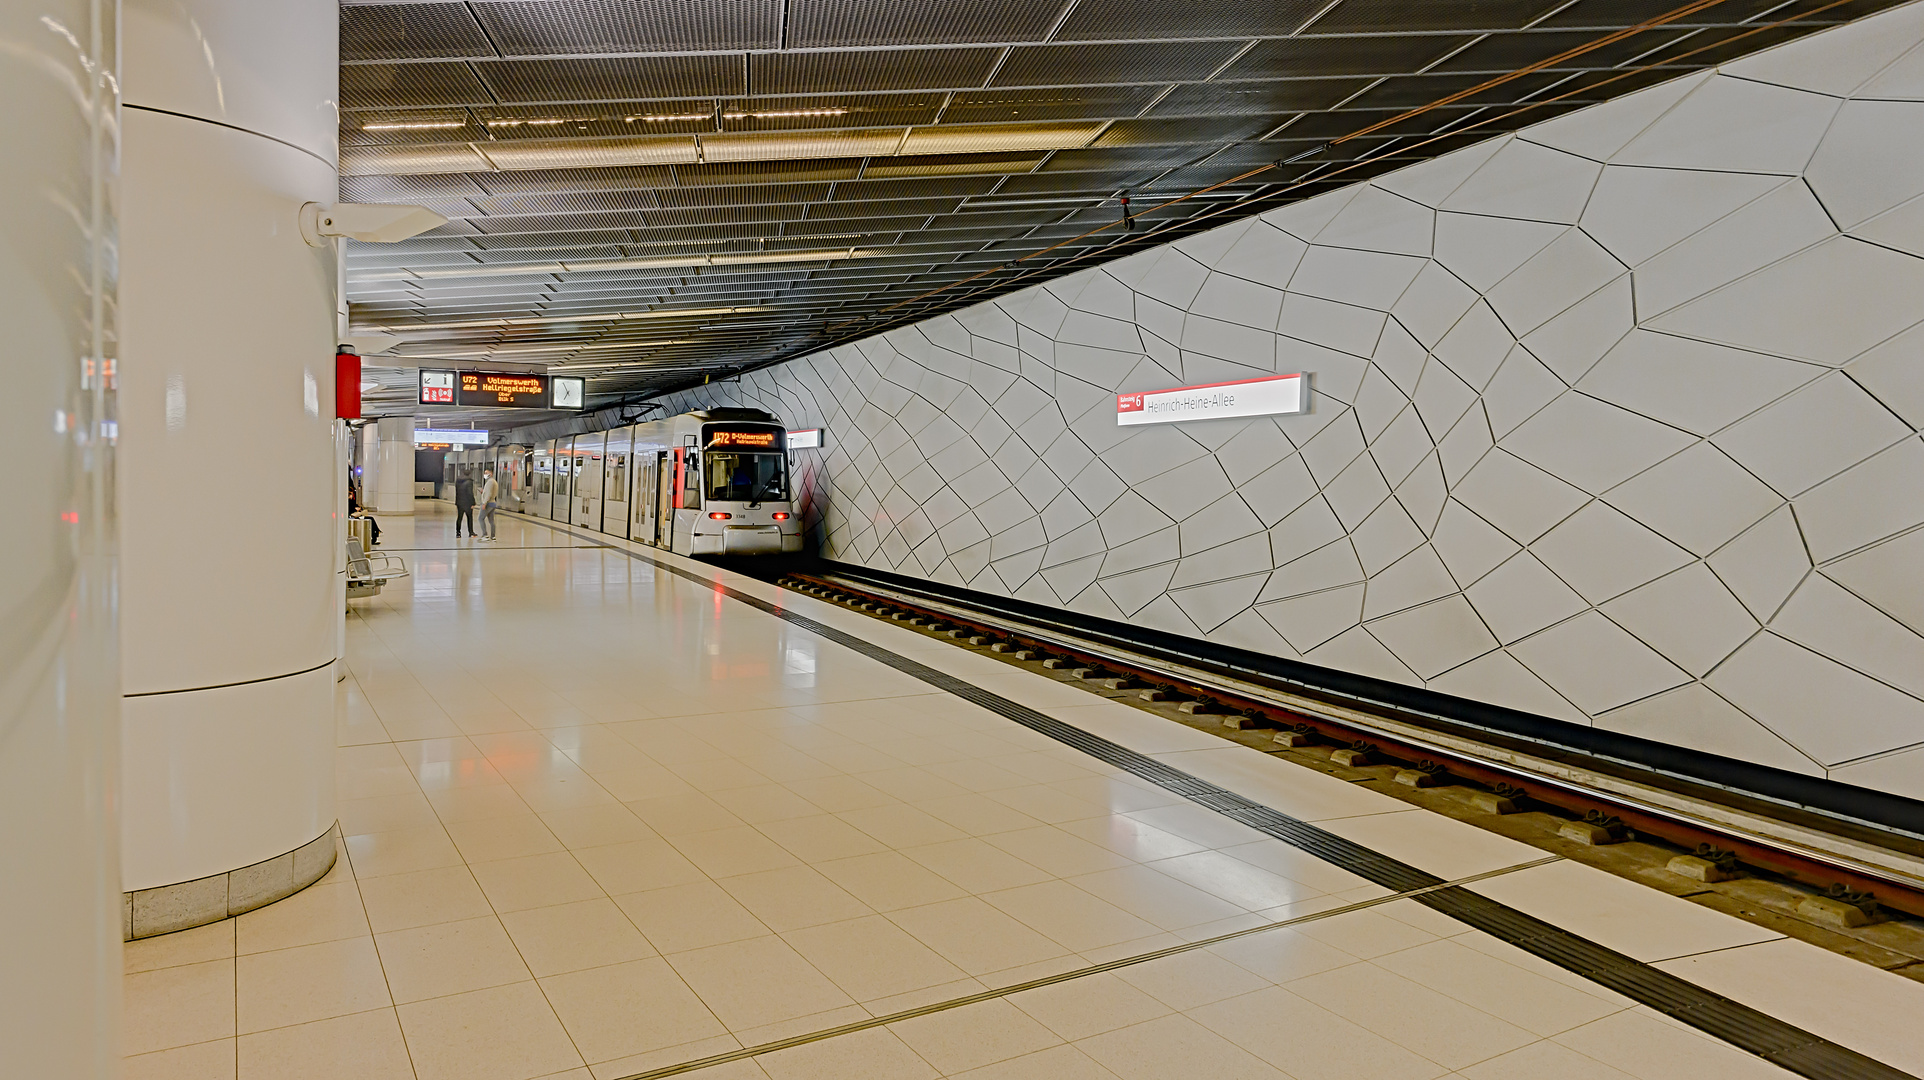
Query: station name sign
x: 500, y: 390
x: 1267, y: 396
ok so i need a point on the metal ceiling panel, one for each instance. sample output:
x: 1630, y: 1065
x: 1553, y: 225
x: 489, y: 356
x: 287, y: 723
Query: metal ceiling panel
x: 628, y: 78
x: 411, y: 32
x: 1213, y: 131
x: 774, y: 172
x: 925, y: 188
x: 566, y: 202
x: 725, y: 215
x: 1371, y: 16
x: 1272, y: 99
x: 407, y: 188
x: 1078, y: 103
x: 816, y: 24
x: 603, y: 179
x: 742, y: 195
x: 1107, y: 20
x: 539, y: 223
x: 411, y: 86
x: 855, y: 72
x: 1306, y: 57
x: 952, y: 165
x: 892, y: 207
x: 1067, y: 65
x: 412, y: 160
x: 559, y: 27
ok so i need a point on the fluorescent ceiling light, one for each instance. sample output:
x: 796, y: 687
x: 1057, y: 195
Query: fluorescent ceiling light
x: 529, y: 123
x: 414, y: 125
x: 663, y: 118
x: 490, y: 350
x: 741, y: 146
x: 595, y: 265
x: 537, y: 320
x: 783, y: 113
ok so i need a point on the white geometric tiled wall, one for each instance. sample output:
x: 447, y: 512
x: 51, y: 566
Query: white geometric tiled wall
x: 1616, y: 420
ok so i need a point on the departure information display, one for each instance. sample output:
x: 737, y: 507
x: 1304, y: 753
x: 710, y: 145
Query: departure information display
x: 501, y: 390
x: 741, y: 438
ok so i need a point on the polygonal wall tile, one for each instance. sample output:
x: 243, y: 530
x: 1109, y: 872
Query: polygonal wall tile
x: 1875, y: 499
x: 1311, y: 619
x: 1574, y: 341
x: 1826, y: 618
x: 1840, y: 60
x: 1886, y: 576
x: 1497, y: 678
x: 1525, y: 180
x: 1485, y: 250
x: 1417, y: 578
x: 1698, y: 499
x: 1599, y: 131
x: 1355, y: 650
x: 1775, y: 225
x: 1693, y: 385
x: 1803, y: 697
x: 1435, y: 637
x: 1737, y: 126
x: 1901, y: 773
x: 1592, y: 444
x: 1696, y: 717
x: 1869, y: 162
x: 1432, y: 304
x: 1521, y: 597
x: 1764, y: 564
x: 1517, y: 497
x: 1894, y: 374
x: 1635, y: 212
x: 1812, y: 435
x: 1365, y: 278
x: 1376, y: 220
x: 1688, y: 616
x: 1432, y: 181
x: 1596, y: 663
x: 1827, y: 304
x: 1571, y: 268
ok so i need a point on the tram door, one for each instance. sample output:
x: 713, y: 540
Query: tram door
x: 664, y: 500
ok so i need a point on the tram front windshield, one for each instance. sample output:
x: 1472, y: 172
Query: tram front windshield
x: 746, y: 477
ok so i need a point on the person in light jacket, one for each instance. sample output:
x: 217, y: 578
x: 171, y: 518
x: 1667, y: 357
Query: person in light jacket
x: 463, y: 504
x: 490, y: 493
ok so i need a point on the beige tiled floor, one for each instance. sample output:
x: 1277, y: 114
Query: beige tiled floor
x: 599, y: 820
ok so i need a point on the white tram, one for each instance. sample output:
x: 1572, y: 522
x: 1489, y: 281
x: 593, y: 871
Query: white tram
x: 703, y: 483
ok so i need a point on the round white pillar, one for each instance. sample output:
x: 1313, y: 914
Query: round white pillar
x: 227, y: 488
x: 59, y: 707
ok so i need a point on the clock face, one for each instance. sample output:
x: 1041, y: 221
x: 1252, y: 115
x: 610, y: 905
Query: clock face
x: 566, y: 393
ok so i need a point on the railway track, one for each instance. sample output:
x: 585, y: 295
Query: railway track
x: 1844, y: 861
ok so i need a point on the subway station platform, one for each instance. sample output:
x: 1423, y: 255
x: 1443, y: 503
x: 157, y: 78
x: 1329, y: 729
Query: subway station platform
x: 610, y: 812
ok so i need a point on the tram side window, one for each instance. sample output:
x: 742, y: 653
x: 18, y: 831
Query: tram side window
x: 747, y: 477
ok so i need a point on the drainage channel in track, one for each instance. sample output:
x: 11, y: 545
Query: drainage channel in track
x: 1783, y: 1044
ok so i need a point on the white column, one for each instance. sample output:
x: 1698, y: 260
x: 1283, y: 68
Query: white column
x: 228, y: 488
x: 395, y: 465
x: 59, y: 709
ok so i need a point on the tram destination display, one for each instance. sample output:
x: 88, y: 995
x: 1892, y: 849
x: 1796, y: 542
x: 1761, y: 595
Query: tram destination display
x: 500, y: 390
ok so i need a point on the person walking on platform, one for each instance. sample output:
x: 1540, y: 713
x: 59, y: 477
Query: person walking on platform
x: 490, y: 492
x: 463, y: 504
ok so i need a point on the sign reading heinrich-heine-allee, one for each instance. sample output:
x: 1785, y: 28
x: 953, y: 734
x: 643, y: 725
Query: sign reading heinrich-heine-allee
x: 1266, y: 396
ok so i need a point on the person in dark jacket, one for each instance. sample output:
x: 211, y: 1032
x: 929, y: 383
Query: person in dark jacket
x: 463, y: 504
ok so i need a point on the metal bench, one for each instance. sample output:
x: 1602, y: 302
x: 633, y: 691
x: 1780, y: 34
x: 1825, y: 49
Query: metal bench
x: 367, y: 571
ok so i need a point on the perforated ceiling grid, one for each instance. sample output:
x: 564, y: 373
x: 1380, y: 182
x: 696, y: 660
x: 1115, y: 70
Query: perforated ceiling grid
x: 907, y: 143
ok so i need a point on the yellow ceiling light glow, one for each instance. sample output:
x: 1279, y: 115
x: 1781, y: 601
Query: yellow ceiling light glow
x: 529, y: 123
x: 663, y: 118
x: 783, y: 114
x: 414, y: 125
x: 598, y: 265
